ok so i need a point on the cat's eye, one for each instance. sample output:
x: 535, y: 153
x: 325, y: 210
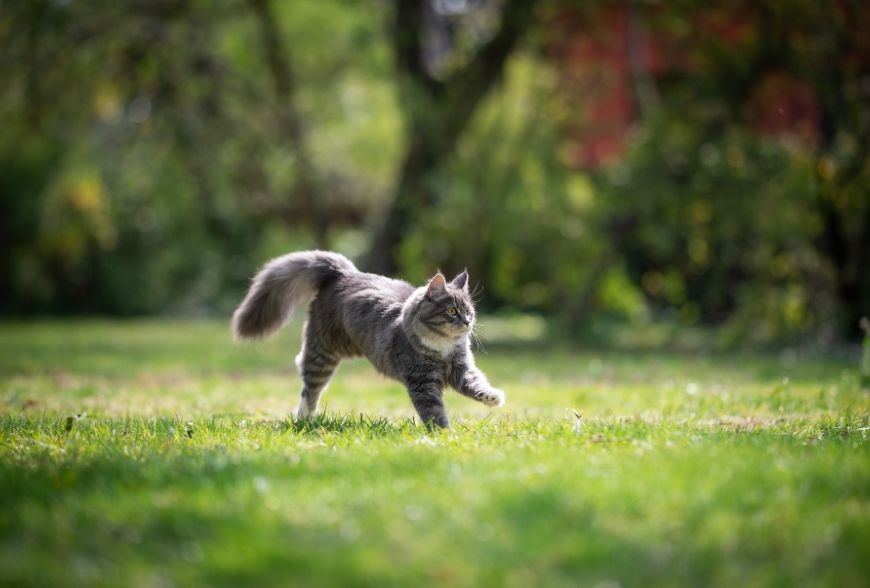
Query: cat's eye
x: 452, y: 311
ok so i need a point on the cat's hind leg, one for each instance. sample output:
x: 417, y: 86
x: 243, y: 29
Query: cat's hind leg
x: 316, y: 364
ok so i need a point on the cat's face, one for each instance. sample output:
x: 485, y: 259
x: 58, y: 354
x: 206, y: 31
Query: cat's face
x: 446, y: 311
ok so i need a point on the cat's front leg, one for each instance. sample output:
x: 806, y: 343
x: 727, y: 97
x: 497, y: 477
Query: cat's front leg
x: 470, y: 381
x: 427, y: 399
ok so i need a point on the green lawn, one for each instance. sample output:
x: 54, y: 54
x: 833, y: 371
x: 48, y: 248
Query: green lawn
x: 159, y: 453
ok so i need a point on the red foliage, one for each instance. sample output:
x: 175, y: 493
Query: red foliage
x: 591, y: 47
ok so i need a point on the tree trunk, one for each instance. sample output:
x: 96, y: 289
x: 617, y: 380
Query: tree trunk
x: 437, y: 113
x: 307, y: 188
x: 847, y: 250
x: 412, y: 191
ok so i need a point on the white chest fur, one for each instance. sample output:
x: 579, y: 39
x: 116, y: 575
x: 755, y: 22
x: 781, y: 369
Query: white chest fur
x: 443, y: 346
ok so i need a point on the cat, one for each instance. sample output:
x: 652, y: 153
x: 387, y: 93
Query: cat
x: 418, y: 336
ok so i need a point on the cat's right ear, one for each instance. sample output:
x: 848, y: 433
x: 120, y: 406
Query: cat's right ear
x: 436, y: 284
x: 460, y: 281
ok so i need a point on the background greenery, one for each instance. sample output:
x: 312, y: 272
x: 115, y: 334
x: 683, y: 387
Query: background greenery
x: 155, y: 154
x: 672, y: 323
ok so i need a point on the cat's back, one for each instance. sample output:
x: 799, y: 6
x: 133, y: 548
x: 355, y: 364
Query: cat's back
x: 372, y: 290
x: 368, y: 307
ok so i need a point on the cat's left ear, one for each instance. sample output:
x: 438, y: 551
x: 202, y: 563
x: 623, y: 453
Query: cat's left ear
x: 437, y: 283
x: 460, y: 281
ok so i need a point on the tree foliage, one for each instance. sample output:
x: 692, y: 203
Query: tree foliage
x: 154, y: 154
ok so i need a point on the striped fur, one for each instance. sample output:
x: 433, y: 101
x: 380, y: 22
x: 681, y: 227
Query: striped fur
x: 418, y: 336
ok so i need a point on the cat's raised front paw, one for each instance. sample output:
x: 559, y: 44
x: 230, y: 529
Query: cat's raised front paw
x: 493, y: 397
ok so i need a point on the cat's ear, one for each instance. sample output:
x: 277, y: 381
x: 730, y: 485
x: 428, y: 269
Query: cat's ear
x: 436, y: 284
x: 460, y: 281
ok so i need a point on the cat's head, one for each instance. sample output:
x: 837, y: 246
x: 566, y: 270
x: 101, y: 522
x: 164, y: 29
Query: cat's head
x: 443, y: 313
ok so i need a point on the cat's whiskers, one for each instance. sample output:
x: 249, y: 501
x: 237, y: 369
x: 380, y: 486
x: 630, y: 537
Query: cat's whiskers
x: 477, y: 292
x: 475, y: 337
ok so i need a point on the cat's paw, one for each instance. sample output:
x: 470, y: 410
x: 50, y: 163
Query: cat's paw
x: 493, y: 397
x: 302, y: 412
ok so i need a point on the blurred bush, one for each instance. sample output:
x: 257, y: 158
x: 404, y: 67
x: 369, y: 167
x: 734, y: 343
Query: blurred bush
x: 720, y: 228
x: 145, y: 164
x: 154, y: 154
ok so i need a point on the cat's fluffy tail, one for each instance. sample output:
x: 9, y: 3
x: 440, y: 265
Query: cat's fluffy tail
x: 284, y: 284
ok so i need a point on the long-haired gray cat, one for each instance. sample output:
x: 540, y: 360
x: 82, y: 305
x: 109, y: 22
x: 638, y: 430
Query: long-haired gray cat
x: 418, y: 336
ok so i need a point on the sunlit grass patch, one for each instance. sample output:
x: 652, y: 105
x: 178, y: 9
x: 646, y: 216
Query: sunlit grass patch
x: 161, y: 453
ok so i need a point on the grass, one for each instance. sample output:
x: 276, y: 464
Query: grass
x: 160, y: 453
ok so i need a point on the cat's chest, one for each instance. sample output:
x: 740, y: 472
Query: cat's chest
x: 415, y: 365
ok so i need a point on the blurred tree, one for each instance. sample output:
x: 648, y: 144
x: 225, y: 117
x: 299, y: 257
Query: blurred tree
x: 820, y: 49
x: 194, y: 123
x: 306, y: 193
x: 706, y: 162
x: 441, y: 85
x: 836, y: 61
x: 673, y: 91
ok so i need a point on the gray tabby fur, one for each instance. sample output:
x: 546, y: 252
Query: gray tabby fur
x: 406, y: 332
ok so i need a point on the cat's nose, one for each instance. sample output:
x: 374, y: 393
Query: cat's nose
x: 466, y: 321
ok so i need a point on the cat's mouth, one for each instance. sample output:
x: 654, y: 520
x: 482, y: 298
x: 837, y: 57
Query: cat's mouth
x: 462, y: 329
